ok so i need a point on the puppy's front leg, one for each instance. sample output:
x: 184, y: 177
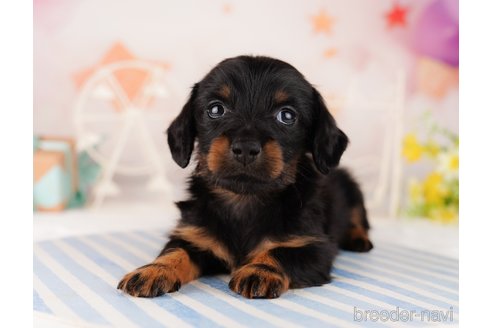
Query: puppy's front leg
x: 165, y: 274
x: 189, y: 253
x: 275, y: 267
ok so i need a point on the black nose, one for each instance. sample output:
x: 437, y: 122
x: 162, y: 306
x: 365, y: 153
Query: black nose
x: 245, y: 151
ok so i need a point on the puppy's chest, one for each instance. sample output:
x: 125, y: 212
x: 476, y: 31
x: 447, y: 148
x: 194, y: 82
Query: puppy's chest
x: 244, y: 234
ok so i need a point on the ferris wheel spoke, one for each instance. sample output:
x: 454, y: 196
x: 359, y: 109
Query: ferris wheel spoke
x: 118, y: 90
x: 100, y: 117
x: 111, y: 166
x: 143, y: 97
x: 147, y: 92
x: 148, y: 143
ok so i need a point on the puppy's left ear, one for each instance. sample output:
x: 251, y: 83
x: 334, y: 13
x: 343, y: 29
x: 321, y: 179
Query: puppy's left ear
x: 328, y: 141
x: 182, y: 132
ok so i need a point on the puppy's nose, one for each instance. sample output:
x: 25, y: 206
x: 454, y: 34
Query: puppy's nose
x: 245, y: 151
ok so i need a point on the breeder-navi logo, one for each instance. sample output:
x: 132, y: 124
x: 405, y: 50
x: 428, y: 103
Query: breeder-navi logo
x: 403, y: 315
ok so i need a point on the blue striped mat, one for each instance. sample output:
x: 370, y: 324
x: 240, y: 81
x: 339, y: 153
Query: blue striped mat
x: 75, y: 279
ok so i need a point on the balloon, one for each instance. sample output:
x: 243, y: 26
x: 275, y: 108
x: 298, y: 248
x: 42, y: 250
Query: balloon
x: 436, y: 32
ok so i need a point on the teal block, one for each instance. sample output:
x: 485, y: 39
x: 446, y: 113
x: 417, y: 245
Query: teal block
x: 52, y: 189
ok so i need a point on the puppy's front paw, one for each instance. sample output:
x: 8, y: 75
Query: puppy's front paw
x: 151, y: 280
x: 259, y: 281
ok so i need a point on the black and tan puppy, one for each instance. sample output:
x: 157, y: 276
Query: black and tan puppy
x: 267, y: 202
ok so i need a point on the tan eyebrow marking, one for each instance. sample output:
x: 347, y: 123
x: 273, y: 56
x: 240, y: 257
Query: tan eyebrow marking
x: 225, y: 91
x: 280, y: 96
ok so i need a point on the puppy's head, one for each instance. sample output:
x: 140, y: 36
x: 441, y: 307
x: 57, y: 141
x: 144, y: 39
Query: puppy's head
x: 253, y: 118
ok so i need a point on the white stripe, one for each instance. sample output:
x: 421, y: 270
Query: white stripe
x: 403, y: 266
x: 388, y: 292
x: 355, y: 295
x: 52, y: 301
x: 438, y: 260
x: 330, y: 302
x: 304, y: 310
x: 417, y: 280
x: 244, y: 306
x: 99, y: 304
x: 147, y: 242
x: 397, y: 283
x: 307, y: 311
x: 130, y: 248
x: 149, y: 307
x: 41, y: 319
x: 206, y: 311
x: 414, y: 259
x: 107, y: 253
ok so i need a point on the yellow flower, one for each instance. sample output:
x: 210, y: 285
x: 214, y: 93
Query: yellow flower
x: 449, y: 163
x: 432, y: 148
x: 444, y: 214
x: 415, y: 191
x: 433, y: 189
x: 412, y: 149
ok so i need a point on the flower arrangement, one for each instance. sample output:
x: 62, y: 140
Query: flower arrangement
x: 436, y: 196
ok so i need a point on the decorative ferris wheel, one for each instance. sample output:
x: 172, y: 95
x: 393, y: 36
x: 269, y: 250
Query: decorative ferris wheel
x: 116, y: 116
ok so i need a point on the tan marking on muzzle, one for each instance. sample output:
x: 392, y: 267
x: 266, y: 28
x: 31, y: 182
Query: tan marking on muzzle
x: 217, y: 153
x: 274, y: 158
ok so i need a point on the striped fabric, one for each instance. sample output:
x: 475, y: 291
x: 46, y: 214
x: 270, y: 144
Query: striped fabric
x: 75, y: 279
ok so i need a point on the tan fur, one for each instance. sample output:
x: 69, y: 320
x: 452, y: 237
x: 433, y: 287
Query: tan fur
x: 267, y: 279
x: 261, y: 255
x: 280, y: 96
x: 357, y: 230
x: 217, y: 153
x: 274, y: 158
x: 180, y: 261
x: 292, y: 242
x: 171, y: 269
x: 236, y: 201
x: 201, y: 239
x: 225, y: 91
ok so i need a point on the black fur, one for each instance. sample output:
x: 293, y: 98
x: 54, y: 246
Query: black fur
x: 315, y: 200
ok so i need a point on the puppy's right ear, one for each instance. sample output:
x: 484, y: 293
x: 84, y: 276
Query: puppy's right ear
x: 182, y: 132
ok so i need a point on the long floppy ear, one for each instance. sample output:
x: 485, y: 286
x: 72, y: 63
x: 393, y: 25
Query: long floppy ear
x: 328, y: 141
x: 182, y: 132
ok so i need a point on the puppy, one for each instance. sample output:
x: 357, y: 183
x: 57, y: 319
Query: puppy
x: 267, y: 203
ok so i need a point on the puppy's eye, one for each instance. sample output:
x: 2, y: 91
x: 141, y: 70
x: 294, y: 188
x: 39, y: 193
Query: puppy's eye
x: 216, y: 110
x: 286, y: 116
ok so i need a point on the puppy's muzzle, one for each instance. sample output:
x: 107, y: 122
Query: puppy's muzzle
x: 246, y: 151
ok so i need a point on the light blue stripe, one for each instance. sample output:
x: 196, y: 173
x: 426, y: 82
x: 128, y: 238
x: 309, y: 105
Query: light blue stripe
x: 421, y: 264
x: 348, y: 300
x: 135, y: 242
x: 326, y: 309
x: 391, y: 287
x: 369, y: 258
x: 180, y: 310
x: 376, y: 295
x: 64, y: 292
x: 100, y: 287
x: 208, y: 299
x: 267, y: 306
x: 419, y: 254
x: 38, y: 303
x: 422, y: 285
x: 111, y: 245
x: 159, y: 238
